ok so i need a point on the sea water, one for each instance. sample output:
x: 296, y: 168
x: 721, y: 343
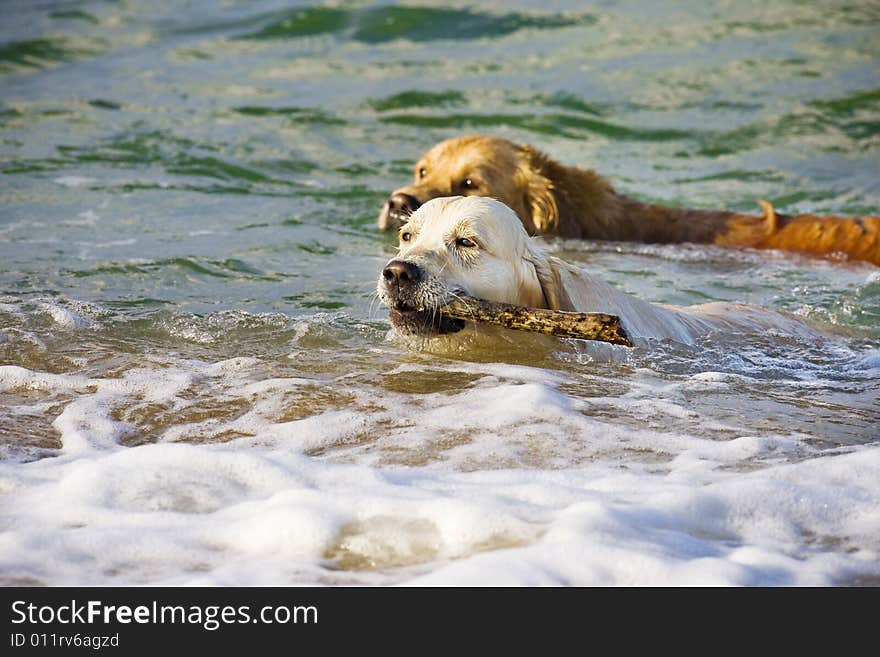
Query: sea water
x: 198, y: 385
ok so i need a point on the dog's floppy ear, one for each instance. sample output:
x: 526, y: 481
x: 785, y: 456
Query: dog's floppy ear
x: 537, y: 190
x: 547, y: 271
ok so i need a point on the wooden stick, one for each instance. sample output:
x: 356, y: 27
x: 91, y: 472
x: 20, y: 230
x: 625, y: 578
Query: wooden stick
x: 561, y: 323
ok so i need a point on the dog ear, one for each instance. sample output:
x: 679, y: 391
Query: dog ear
x: 537, y: 190
x: 550, y: 278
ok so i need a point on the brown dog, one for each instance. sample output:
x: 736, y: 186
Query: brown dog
x: 553, y: 199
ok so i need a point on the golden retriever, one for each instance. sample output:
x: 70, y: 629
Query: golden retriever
x: 477, y: 246
x: 552, y: 199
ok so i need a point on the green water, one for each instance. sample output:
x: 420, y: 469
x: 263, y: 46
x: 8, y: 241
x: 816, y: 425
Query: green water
x: 202, y: 181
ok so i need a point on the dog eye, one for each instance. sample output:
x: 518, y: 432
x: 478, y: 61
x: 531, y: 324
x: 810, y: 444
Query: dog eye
x: 465, y: 243
x: 405, y: 237
x: 423, y: 172
x: 469, y: 184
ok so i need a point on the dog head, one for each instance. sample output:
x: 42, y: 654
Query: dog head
x: 474, y: 246
x: 478, y: 165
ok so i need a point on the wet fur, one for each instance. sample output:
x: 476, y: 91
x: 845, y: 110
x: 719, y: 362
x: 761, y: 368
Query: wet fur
x: 506, y: 265
x: 553, y: 199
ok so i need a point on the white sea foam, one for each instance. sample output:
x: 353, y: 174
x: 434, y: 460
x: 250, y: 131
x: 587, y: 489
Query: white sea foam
x: 509, y: 482
x: 87, y: 218
x: 73, y: 181
x: 64, y: 317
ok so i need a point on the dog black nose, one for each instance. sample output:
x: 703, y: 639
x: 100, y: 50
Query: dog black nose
x: 401, y: 272
x: 404, y: 204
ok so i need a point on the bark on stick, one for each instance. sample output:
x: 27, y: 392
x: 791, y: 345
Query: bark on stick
x: 561, y: 323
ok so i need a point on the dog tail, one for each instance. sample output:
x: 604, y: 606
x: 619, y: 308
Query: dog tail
x: 854, y: 238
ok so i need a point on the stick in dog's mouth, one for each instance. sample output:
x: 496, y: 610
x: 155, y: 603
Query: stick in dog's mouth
x: 561, y: 323
x: 424, y: 322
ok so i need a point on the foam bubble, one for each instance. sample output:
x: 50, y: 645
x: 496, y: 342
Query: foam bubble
x: 66, y: 318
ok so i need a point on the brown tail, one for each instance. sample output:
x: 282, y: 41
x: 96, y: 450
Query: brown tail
x: 857, y: 238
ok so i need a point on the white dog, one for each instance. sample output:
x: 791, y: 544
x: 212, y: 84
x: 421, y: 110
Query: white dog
x: 477, y: 246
